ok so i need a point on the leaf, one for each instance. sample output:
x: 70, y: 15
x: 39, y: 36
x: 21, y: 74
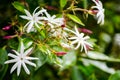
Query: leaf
x: 76, y: 75
x: 42, y: 57
x: 18, y: 6
x: 115, y: 76
x: 63, y: 3
x: 69, y: 59
x: 75, y: 19
x: 3, y: 67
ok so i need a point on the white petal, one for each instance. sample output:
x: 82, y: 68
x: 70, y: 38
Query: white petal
x: 73, y: 42
x: 30, y: 26
x: 26, y: 25
x: 37, y: 25
x: 28, y: 13
x: 86, y: 37
x: 85, y: 48
x: 30, y: 63
x: 82, y: 44
x: 11, y: 61
x: 31, y: 58
x: 73, y: 38
x: 12, y: 55
x: 15, y: 52
x: 35, y: 11
x: 78, y: 45
x: 25, y: 17
x: 21, y: 48
x: 25, y: 68
x: 14, y: 67
x: 77, y: 33
x: 19, y: 68
x: 28, y: 51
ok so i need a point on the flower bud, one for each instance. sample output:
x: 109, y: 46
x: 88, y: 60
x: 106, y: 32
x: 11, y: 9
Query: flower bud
x: 92, y: 12
x: 60, y: 53
x: 84, y: 30
x: 7, y: 37
x: 6, y: 28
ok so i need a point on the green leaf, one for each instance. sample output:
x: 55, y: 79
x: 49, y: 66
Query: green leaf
x: 115, y: 76
x: 75, y: 19
x: 3, y: 67
x: 42, y: 57
x: 76, y: 75
x: 18, y: 6
x: 63, y: 3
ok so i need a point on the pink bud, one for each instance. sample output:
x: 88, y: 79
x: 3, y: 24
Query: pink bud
x: 93, y: 12
x: 6, y: 28
x: 84, y: 30
x: 50, y: 8
x: 60, y: 53
x: 97, y: 1
x: 7, y: 37
x: 88, y: 47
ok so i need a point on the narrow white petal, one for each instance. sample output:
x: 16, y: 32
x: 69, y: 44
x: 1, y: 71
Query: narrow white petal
x: 77, y: 32
x: 11, y: 61
x: 15, y: 52
x: 28, y: 13
x: 47, y: 14
x: 73, y: 38
x: 85, y: 48
x: 25, y: 68
x: 31, y: 58
x: 30, y: 63
x: 25, y: 17
x: 78, y: 45
x: 26, y: 25
x: 28, y: 51
x: 30, y: 26
x: 82, y: 44
x: 35, y: 11
x: 12, y: 55
x: 19, y: 68
x: 73, y: 42
x: 14, y: 67
x: 21, y: 48
x: 86, y: 37
x: 37, y: 25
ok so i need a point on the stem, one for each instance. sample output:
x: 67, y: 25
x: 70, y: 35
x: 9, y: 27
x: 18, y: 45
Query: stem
x: 80, y: 9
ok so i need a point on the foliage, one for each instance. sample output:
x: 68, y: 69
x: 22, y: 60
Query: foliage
x: 66, y: 37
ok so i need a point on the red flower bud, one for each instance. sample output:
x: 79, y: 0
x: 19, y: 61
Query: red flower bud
x: 93, y: 12
x: 6, y: 28
x: 88, y: 47
x: 84, y: 30
x: 7, y: 37
x: 50, y: 8
x: 60, y: 53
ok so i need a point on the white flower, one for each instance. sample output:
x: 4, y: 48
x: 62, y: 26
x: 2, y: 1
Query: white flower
x: 33, y: 20
x: 53, y: 21
x: 21, y: 59
x: 100, y: 13
x: 79, y: 39
x: 58, y: 32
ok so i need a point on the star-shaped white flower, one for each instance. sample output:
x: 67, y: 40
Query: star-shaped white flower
x: 21, y: 59
x: 33, y: 19
x: 80, y: 40
x: 100, y: 14
x: 53, y: 21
